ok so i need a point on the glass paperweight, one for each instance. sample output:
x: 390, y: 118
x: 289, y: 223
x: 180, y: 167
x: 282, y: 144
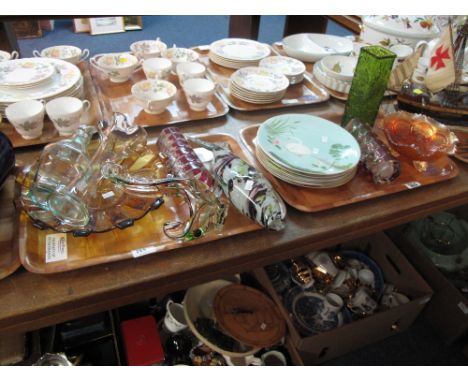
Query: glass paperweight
x: 369, y: 84
x: 422, y: 140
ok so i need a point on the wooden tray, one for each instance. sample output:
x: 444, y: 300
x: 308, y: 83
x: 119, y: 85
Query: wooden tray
x: 462, y: 145
x: 360, y: 188
x: 307, y: 92
x: 118, y: 97
x: 9, y: 260
x: 50, y: 134
x: 143, y: 238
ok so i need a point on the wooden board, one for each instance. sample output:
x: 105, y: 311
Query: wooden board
x: 9, y: 260
x: 360, y: 188
x: 50, y: 134
x: 306, y: 92
x: 462, y: 145
x: 146, y: 235
x: 118, y: 97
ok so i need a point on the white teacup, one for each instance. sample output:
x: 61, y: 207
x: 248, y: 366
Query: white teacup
x: 362, y: 303
x: 250, y: 360
x: 154, y: 95
x: 367, y: 278
x: 5, y: 56
x: 178, y: 55
x: 187, y: 70
x: 322, y: 262
x: 68, y: 53
x: 343, y: 283
x: 157, y: 68
x: 27, y: 117
x: 273, y: 358
x: 66, y: 112
x: 174, y: 320
x: 118, y: 66
x: 148, y: 48
x: 198, y: 92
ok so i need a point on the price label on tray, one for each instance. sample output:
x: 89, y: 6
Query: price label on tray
x: 56, y: 247
x: 411, y: 185
x: 143, y: 251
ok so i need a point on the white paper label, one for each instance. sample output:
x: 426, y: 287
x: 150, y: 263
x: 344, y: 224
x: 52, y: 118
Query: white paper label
x: 56, y: 247
x: 463, y: 307
x: 289, y: 101
x: 411, y: 185
x: 143, y: 251
x: 203, y: 154
x: 248, y: 185
x: 203, y: 47
x: 108, y: 195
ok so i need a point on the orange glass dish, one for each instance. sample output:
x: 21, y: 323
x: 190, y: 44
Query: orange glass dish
x: 422, y: 140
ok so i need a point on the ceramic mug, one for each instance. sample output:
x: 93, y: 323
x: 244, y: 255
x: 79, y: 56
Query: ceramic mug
x: 362, y: 303
x: 273, y: 358
x: 27, y: 117
x: 66, y: 112
x: 157, y: 68
x: 198, y: 92
x: 174, y: 320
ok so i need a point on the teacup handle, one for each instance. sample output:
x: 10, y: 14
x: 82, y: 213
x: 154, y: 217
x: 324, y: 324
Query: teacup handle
x: 14, y: 55
x: 168, y: 304
x: 93, y: 62
x: 36, y: 53
x: 84, y: 54
x: 86, y: 105
x: 139, y: 65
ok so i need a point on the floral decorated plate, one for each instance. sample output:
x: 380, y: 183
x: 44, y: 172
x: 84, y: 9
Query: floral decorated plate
x: 25, y: 72
x: 286, y: 65
x: 239, y: 49
x: 309, y: 144
x: 260, y: 80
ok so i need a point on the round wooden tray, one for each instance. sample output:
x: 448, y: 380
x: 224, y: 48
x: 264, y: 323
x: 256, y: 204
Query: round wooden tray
x: 249, y: 316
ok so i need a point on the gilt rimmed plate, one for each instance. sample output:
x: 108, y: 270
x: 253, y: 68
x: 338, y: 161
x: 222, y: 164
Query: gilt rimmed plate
x: 309, y: 144
x: 25, y: 72
x: 239, y: 49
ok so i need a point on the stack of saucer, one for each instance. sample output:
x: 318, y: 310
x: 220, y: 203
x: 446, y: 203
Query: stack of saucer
x: 258, y: 85
x: 293, y: 69
x: 238, y: 53
x: 38, y: 78
x: 307, y: 151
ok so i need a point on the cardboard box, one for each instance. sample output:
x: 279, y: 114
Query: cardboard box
x: 448, y: 310
x: 397, y: 271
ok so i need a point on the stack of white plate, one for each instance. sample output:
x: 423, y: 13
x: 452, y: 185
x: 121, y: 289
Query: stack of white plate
x: 38, y: 78
x: 293, y: 69
x: 258, y: 85
x: 307, y: 151
x: 238, y: 53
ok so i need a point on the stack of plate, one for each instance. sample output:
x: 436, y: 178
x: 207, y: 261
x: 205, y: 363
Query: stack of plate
x: 307, y: 151
x: 38, y: 78
x: 293, y: 69
x: 258, y: 85
x: 238, y: 53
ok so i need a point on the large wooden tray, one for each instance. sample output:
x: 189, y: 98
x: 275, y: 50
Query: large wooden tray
x: 360, y: 188
x: 9, y: 260
x: 143, y: 238
x: 49, y: 133
x: 307, y: 92
x: 118, y: 97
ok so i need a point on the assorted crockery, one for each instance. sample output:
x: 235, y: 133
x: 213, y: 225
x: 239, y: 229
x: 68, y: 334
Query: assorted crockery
x: 66, y: 80
x: 237, y: 53
x: 5, y: 56
x: 198, y: 92
x: 293, y: 69
x: 65, y: 113
x: 148, y: 48
x: 27, y: 117
x: 67, y: 53
x: 307, y: 151
x: 258, y: 85
x: 154, y: 95
x: 157, y: 68
x: 179, y: 55
x: 391, y: 30
x: 311, y: 47
x: 118, y: 66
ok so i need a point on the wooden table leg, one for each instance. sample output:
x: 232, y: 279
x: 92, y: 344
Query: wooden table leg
x: 244, y: 26
x: 305, y: 24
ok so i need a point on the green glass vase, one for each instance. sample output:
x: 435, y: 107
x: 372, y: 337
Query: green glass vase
x: 369, y: 84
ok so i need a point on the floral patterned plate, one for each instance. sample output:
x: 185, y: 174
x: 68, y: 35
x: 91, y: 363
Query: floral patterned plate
x: 239, y: 49
x: 25, y: 72
x: 287, y: 65
x: 260, y: 80
x: 309, y: 144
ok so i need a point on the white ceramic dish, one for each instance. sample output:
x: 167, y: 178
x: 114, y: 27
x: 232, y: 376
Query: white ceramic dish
x: 67, y: 53
x: 154, y: 95
x: 311, y: 47
x: 148, y: 48
x: 118, y: 66
x: 341, y: 67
